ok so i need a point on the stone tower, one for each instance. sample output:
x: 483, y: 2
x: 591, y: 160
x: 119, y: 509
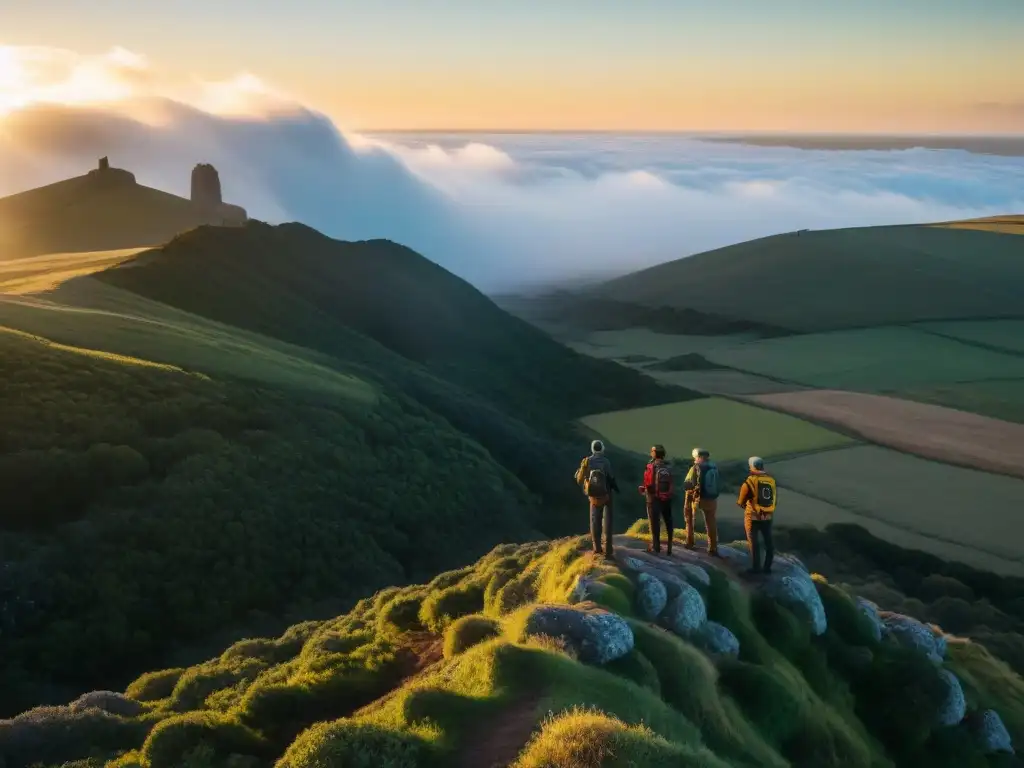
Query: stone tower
x: 206, y: 186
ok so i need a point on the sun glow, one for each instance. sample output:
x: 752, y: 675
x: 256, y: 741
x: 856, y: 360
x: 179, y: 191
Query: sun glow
x: 48, y: 76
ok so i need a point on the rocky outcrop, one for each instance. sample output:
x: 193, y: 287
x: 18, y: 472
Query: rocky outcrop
x: 596, y: 636
x: 911, y: 633
x: 990, y: 732
x: 796, y: 591
x: 686, y: 613
x: 870, y: 612
x: 651, y: 596
x: 717, y: 640
x: 105, y: 176
x: 954, y: 707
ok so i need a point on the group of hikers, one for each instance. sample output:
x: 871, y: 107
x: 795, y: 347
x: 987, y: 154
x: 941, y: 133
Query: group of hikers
x: 701, y: 490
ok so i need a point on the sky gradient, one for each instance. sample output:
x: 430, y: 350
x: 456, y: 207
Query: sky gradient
x: 933, y: 66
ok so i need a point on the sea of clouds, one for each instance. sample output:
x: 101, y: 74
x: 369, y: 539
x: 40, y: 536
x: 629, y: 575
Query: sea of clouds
x: 503, y: 211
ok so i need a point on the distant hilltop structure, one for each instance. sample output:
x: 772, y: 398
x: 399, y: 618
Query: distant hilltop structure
x: 205, y: 196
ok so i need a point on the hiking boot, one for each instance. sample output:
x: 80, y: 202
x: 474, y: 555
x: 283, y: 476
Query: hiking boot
x: 598, y: 551
x: 654, y: 550
x: 668, y: 551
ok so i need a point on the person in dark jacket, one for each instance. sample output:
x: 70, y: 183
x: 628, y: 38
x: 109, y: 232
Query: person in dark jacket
x: 658, y: 489
x: 596, y: 478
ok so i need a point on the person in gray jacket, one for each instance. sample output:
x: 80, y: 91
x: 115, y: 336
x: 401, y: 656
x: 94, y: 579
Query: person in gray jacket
x: 598, y: 482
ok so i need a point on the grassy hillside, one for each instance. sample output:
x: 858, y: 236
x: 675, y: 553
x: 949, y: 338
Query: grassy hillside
x: 843, y: 278
x: 464, y: 670
x: 86, y: 214
x: 180, y: 475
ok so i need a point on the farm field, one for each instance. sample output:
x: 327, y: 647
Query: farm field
x: 612, y: 345
x: 871, y: 359
x: 721, y: 382
x: 149, y: 331
x: 1007, y: 334
x: 931, y: 431
x: 732, y: 431
x: 798, y: 509
x: 1006, y: 225
x: 999, y: 399
x: 960, y: 506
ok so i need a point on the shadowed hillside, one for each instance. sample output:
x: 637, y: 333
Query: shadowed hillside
x: 540, y: 655
x: 266, y: 444
x: 103, y: 210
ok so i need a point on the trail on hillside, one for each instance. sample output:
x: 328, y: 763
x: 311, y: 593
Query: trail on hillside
x: 500, y: 740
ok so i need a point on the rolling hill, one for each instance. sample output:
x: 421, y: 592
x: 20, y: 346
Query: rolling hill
x: 254, y: 423
x: 828, y: 280
x: 104, y: 210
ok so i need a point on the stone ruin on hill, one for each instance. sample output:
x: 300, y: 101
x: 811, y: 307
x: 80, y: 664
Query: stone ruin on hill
x: 206, y: 194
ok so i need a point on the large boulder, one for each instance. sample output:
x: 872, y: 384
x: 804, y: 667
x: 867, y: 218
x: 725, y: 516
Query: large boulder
x: 717, y: 640
x: 673, y: 584
x: 954, y: 707
x: 990, y: 733
x: 911, y: 633
x: 695, y: 574
x: 686, y: 613
x: 795, y: 589
x: 597, y: 636
x: 651, y: 596
x: 870, y: 612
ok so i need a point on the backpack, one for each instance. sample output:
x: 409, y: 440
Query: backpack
x: 710, y: 485
x: 596, y: 486
x: 663, y: 482
x: 763, y: 495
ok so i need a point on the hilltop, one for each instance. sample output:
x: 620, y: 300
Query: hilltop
x: 540, y: 655
x: 107, y: 209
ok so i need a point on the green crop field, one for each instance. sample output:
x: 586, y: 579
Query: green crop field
x: 662, y: 346
x: 730, y: 430
x: 722, y: 382
x: 1007, y: 334
x: 999, y: 399
x: 799, y: 509
x: 870, y: 359
x: 962, y: 507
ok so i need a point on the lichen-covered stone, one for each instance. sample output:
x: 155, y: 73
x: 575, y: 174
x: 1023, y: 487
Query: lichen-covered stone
x: 651, y: 596
x: 673, y: 584
x: 686, y: 613
x: 694, y: 574
x: 597, y: 636
x: 911, y: 633
x: 795, y: 590
x: 991, y: 734
x: 870, y: 612
x: 954, y: 707
x: 717, y: 640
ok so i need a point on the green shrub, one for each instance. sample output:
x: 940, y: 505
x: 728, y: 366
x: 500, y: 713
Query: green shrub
x: 47, y: 735
x: 467, y: 631
x: 349, y: 744
x: 439, y: 609
x: 844, y: 615
x: 172, y: 741
x: 154, y: 686
x: 636, y: 667
x: 402, y: 614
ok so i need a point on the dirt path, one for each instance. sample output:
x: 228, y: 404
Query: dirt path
x: 498, y: 742
x: 931, y: 431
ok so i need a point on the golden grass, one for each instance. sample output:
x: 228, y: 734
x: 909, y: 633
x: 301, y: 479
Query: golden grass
x: 37, y: 274
x: 1006, y: 225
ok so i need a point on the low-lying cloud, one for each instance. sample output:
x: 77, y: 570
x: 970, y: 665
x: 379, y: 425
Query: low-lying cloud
x: 502, y: 211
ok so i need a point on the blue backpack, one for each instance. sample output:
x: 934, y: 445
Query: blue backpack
x: 710, y: 485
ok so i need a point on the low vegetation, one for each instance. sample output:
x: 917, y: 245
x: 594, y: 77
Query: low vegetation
x: 357, y: 690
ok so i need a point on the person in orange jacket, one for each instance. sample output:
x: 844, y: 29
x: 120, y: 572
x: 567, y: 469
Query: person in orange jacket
x: 758, y: 496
